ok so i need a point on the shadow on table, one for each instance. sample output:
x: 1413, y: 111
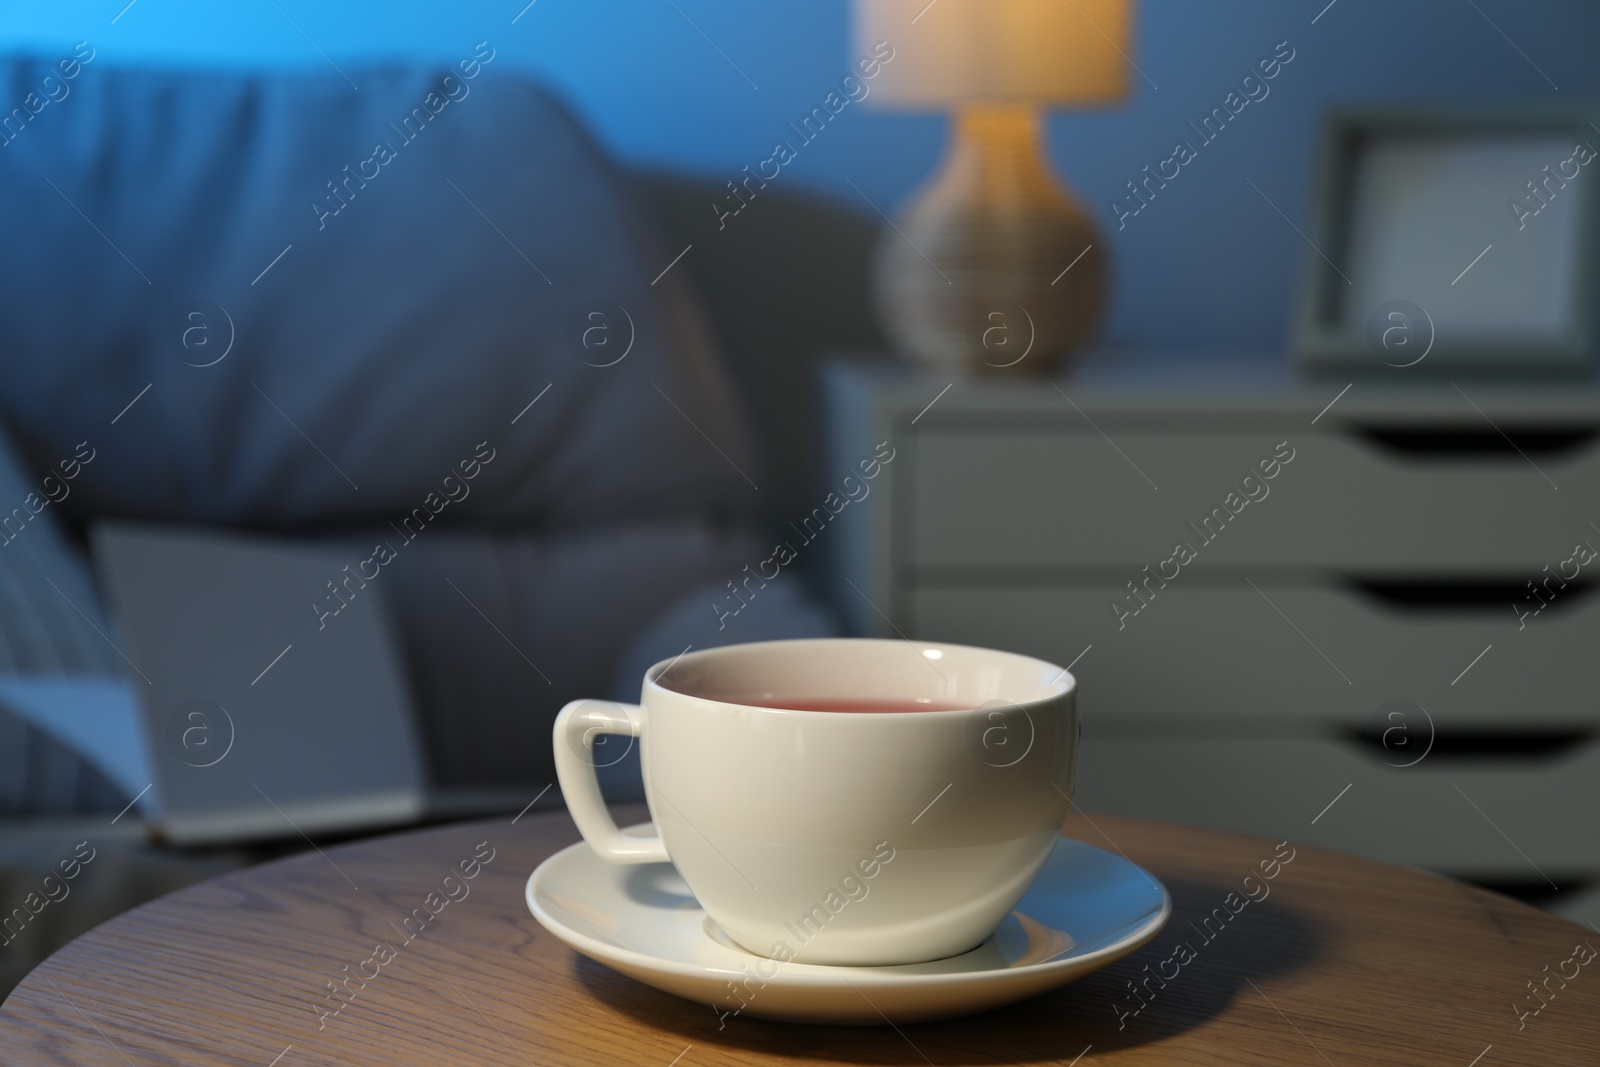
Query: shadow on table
x: 1263, y: 940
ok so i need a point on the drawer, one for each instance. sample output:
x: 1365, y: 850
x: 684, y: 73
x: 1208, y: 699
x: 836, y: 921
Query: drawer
x: 1421, y: 815
x: 1031, y: 498
x: 1201, y: 650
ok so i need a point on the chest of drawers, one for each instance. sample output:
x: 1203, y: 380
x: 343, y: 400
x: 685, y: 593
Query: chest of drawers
x: 1367, y: 625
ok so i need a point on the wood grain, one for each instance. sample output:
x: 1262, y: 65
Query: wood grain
x: 1344, y: 962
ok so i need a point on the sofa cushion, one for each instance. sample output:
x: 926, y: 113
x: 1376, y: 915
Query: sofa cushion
x: 274, y: 301
x: 499, y: 630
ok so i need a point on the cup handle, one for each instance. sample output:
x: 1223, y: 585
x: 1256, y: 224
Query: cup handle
x: 575, y: 731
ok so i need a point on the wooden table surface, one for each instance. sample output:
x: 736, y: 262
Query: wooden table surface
x: 1343, y: 962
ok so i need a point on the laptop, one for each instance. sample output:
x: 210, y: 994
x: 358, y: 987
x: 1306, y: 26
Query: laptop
x: 256, y: 714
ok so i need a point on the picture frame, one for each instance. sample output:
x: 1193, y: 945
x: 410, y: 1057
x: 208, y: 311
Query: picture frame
x: 1453, y: 242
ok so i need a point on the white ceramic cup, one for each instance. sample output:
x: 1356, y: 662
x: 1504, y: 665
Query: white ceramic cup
x: 840, y: 837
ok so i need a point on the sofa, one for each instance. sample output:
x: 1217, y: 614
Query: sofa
x: 272, y: 303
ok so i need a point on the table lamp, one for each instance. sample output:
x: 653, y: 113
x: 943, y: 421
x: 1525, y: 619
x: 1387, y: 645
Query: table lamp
x: 993, y: 266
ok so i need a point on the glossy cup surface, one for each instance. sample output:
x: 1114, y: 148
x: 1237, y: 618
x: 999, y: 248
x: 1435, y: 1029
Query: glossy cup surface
x: 858, y: 838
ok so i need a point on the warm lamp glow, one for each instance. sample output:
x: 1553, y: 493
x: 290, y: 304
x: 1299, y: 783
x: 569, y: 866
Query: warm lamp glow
x: 954, y: 52
x: 974, y: 277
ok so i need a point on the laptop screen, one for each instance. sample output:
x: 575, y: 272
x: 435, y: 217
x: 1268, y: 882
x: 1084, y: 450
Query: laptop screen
x: 262, y: 717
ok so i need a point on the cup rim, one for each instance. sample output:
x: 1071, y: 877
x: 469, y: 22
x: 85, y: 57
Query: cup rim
x: 1065, y: 683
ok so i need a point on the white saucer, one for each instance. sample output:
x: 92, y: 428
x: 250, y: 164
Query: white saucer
x: 1086, y: 909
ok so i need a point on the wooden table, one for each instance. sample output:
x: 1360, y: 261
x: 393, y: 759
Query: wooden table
x: 1344, y: 962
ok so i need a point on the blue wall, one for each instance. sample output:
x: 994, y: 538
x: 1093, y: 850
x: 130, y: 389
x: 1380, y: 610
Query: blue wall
x: 1209, y: 264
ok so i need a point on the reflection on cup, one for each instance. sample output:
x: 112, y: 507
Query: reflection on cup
x: 605, y: 740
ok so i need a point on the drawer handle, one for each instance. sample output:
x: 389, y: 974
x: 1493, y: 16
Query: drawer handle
x: 1468, y: 594
x: 1480, y: 746
x: 1472, y: 441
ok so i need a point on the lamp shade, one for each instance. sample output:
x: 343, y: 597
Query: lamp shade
x: 953, y: 52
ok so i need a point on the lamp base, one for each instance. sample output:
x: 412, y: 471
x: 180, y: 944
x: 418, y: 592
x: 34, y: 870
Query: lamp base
x: 993, y: 267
